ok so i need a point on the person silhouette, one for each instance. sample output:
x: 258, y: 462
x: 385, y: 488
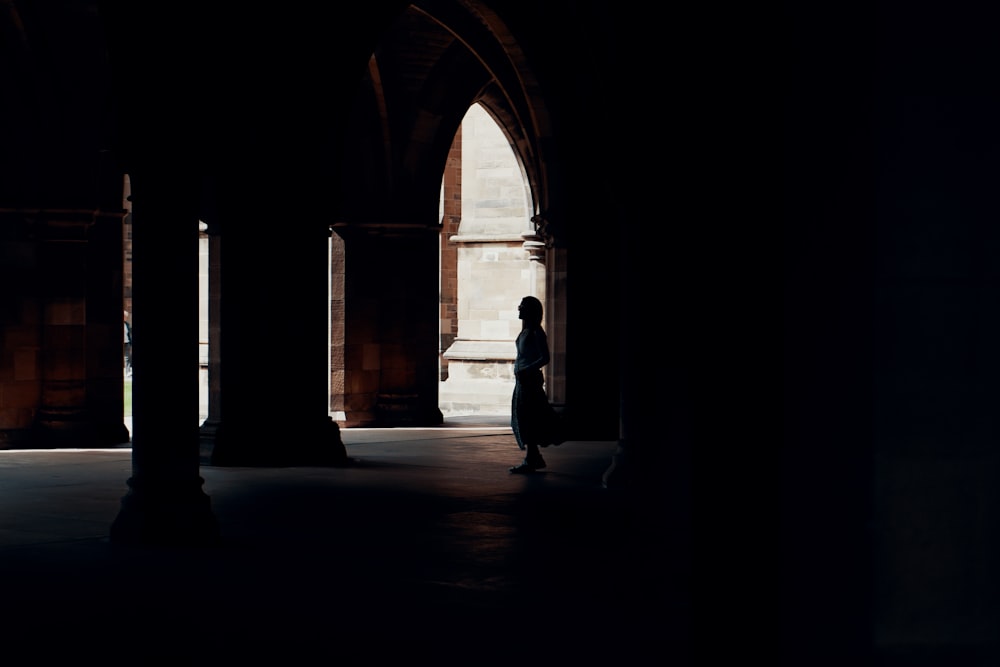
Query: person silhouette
x: 534, y: 422
x: 128, y: 345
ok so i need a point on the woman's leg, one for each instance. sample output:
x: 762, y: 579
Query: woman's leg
x: 532, y: 461
x: 526, y: 422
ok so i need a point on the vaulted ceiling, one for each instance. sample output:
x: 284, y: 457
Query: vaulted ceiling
x: 367, y: 106
x: 430, y: 65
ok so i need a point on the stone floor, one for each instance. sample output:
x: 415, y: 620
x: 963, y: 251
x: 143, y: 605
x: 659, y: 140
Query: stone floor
x: 423, y: 550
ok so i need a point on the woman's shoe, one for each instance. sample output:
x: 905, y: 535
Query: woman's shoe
x: 529, y: 464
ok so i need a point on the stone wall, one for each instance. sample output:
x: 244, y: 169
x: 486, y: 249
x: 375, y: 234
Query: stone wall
x: 494, y: 272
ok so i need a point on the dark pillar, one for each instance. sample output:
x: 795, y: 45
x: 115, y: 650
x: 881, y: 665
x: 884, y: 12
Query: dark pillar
x: 20, y: 329
x: 451, y: 203
x: 555, y: 270
x: 652, y: 358
x: 165, y: 502
x: 80, y: 267
x: 105, y: 334
x: 211, y: 424
x: 823, y: 466
x: 338, y: 371
x: 391, y: 325
x: 273, y: 384
x: 933, y: 327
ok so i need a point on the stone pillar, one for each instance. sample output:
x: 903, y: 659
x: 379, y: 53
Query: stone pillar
x: 273, y: 309
x: 20, y: 330
x: 61, y: 327
x: 165, y: 502
x: 79, y: 282
x: 105, y: 334
x: 556, y: 272
x: 338, y: 372
x: 545, y: 250
x: 451, y: 218
x: 390, y: 325
x: 214, y: 418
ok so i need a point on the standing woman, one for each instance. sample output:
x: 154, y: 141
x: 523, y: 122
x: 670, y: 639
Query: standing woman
x: 531, y: 417
x: 128, y: 345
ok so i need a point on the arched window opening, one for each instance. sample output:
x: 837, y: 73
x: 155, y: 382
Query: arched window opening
x: 490, y: 259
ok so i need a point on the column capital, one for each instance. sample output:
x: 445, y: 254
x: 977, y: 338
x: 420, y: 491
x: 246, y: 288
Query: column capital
x: 535, y: 246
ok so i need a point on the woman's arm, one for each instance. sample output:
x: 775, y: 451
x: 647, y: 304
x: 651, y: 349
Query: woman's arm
x: 532, y: 351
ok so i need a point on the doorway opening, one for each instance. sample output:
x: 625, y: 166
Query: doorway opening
x: 491, y: 258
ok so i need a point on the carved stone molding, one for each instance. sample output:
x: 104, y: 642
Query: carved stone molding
x: 535, y: 247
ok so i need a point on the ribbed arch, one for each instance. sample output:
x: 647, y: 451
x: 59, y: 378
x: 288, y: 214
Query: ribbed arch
x: 432, y: 63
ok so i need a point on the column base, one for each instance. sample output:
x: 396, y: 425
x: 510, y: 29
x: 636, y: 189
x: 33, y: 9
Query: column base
x: 279, y: 445
x: 405, y: 410
x: 15, y: 438
x: 74, y: 430
x: 209, y: 428
x: 163, y: 513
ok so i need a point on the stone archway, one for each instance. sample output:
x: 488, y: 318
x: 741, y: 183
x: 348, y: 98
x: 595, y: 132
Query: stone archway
x: 497, y: 260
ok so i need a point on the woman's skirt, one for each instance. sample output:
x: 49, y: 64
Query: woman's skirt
x: 532, y: 418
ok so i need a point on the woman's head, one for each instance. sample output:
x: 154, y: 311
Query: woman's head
x: 530, y: 310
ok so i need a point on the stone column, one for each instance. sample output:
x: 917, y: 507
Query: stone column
x: 391, y: 325
x: 20, y: 327
x: 214, y: 418
x: 79, y: 282
x: 451, y: 218
x: 338, y: 372
x: 61, y: 382
x: 105, y: 334
x: 556, y: 272
x: 165, y: 502
x: 551, y: 256
x: 273, y: 309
